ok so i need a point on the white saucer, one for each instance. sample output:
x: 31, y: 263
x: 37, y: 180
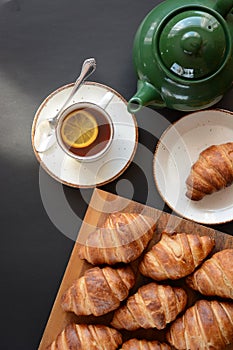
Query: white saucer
x: 99, y: 172
x: 178, y: 149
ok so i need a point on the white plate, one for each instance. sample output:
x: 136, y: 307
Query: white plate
x: 178, y: 149
x: 99, y: 172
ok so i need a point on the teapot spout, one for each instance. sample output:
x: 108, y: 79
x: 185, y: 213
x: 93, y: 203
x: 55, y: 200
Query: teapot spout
x: 146, y: 94
x: 223, y: 7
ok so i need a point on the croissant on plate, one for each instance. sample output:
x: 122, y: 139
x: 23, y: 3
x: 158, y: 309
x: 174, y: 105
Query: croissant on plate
x: 135, y: 344
x: 153, y: 306
x: 122, y: 238
x: 99, y: 291
x: 208, y: 325
x: 215, y: 276
x: 175, y: 256
x: 87, y: 337
x: 211, y: 172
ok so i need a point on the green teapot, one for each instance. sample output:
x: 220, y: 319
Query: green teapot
x: 183, y: 55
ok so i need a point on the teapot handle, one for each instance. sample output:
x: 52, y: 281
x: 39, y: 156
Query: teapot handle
x: 223, y: 7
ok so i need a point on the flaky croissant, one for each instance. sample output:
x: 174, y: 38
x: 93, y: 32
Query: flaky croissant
x: 211, y: 172
x: 87, y: 337
x: 99, y: 291
x: 215, y: 276
x: 208, y: 325
x: 135, y: 344
x: 175, y: 256
x: 153, y: 306
x: 123, y: 238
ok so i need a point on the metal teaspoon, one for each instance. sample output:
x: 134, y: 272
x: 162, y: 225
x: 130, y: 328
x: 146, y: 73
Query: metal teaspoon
x: 44, y: 136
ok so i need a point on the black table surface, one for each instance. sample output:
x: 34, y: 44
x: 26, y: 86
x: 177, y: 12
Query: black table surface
x: 42, y: 46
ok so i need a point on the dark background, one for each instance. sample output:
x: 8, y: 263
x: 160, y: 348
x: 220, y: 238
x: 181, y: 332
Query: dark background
x: 42, y: 46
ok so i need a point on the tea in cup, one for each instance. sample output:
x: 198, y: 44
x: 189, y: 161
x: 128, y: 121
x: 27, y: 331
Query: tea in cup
x: 85, y: 130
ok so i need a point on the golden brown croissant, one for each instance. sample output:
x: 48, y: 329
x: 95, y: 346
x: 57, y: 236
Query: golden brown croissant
x: 123, y: 238
x: 153, y: 306
x: 135, y: 344
x: 211, y: 172
x: 87, y: 337
x: 215, y: 276
x: 208, y: 325
x: 99, y: 291
x: 175, y: 256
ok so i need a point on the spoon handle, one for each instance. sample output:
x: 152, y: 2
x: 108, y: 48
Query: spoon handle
x: 88, y: 67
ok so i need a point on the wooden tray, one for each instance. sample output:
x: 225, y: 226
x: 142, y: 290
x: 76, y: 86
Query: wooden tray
x: 100, y: 205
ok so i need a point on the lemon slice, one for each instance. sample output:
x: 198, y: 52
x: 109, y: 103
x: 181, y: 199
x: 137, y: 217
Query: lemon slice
x: 79, y: 129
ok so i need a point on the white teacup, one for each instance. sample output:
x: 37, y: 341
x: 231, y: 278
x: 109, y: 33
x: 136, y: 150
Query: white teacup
x: 103, y: 140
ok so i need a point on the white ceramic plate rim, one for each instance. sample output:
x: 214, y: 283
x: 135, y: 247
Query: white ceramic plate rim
x: 131, y: 121
x: 177, y: 149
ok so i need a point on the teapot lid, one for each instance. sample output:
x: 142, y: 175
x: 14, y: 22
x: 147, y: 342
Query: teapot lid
x: 193, y: 44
